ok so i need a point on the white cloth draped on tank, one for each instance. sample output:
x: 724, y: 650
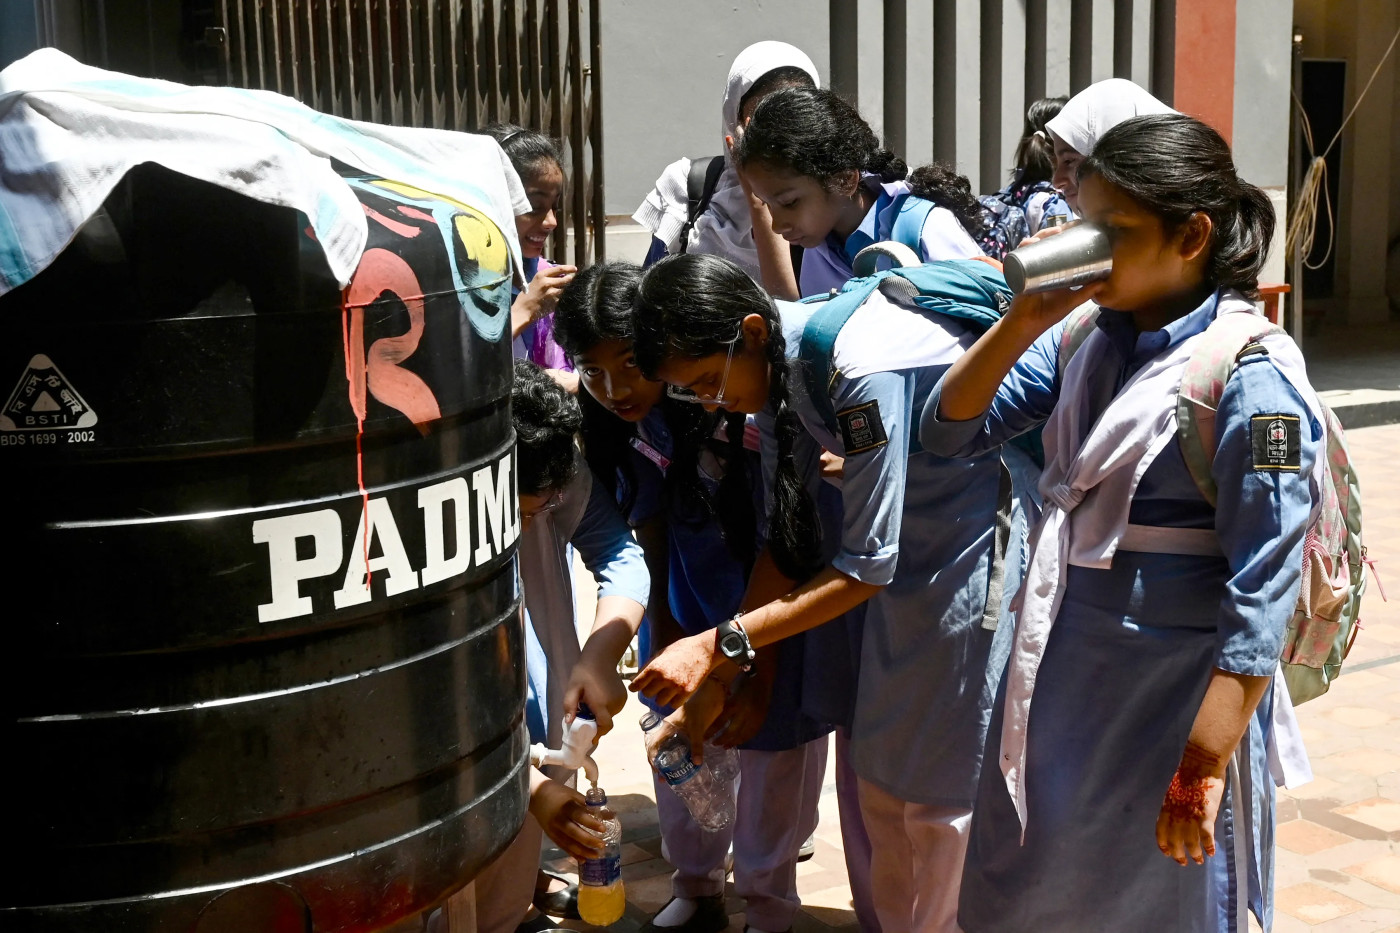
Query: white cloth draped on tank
x: 70, y: 132
x: 1103, y: 457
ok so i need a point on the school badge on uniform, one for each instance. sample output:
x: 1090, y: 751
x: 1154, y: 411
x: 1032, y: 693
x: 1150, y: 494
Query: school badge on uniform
x: 1275, y: 442
x: 862, y: 428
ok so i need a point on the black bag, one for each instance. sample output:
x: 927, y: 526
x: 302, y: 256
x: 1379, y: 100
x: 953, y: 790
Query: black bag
x: 700, y: 184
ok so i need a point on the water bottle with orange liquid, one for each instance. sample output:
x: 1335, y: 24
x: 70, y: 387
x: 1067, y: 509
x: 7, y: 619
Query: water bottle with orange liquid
x: 601, y: 898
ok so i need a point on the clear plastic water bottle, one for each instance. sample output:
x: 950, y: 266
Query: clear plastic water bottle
x: 601, y: 897
x: 723, y: 761
x: 710, y: 800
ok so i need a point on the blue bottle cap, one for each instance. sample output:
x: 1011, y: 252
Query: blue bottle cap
x: 585, y: 713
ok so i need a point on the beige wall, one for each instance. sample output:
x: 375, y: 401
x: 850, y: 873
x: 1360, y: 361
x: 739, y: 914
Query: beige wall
x: 1368, y: 212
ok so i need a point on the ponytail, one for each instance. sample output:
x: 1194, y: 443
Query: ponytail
x: 1176, y: 166
x: 1035, y: 154
x: 690, y: 306
x: 941, y: 184
x: 812, y: 131
x: 1241, y: 251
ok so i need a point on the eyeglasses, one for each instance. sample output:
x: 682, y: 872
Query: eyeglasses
x: 553, y: 502
x: 690, y: 395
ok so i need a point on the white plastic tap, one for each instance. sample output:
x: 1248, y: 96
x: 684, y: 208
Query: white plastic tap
x: 576, y: 750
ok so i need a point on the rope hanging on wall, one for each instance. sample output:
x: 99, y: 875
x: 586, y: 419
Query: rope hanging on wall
x: 1302, y: 228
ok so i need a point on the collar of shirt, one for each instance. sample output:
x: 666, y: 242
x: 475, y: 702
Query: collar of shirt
x: 1136, y: 349
x: 871, y: 229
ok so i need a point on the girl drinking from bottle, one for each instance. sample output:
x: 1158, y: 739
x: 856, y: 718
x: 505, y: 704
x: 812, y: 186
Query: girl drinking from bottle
x: 914, y: 544
x: 1110, y: 808
x: 689, y: 482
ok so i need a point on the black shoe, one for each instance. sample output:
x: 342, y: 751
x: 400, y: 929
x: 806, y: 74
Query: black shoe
x: 562, y: 903
x: 709, y: 917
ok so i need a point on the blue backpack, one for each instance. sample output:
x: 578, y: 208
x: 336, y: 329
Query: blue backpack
x: 969, y: 290
x: 1005, y: 224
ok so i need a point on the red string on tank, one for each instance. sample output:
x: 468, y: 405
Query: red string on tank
x: 352, y: 330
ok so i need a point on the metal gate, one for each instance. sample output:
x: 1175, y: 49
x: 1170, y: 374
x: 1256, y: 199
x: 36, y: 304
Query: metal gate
x: 448, y: 64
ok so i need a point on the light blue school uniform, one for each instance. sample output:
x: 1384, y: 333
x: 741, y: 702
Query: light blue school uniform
x: 706, y: 580
x: 920, y: 526
x: 828, y: 265
x: 587, y: 520
x: 1126, y: 666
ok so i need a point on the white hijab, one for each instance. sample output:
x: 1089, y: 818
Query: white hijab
x: 725, y: 229
x: 1100, y: 107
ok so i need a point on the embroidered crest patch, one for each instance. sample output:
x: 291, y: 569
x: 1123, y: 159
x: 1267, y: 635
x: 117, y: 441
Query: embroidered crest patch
x: 862, y: 428
x: 1275, y: 439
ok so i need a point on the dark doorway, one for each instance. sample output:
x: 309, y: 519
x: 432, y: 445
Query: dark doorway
x: 1324, y: 96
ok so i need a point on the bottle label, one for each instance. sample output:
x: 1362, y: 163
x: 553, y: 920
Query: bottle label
x: 600, y: 872
x: 679, y: 772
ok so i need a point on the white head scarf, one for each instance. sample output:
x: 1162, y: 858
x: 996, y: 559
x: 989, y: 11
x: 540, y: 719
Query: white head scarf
x: 1099, y: 108
x: 725, y: 229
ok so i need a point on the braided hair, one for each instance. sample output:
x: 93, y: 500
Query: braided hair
x: 691, y: 305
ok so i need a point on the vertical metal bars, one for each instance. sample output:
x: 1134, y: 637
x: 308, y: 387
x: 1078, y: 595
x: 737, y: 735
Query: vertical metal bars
x: 450, y: 64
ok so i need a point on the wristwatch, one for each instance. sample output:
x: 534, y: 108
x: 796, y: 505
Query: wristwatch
x: 734, y: 644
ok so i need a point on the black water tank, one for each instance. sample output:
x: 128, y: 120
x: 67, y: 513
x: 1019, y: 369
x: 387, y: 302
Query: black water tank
x: 209, y: 718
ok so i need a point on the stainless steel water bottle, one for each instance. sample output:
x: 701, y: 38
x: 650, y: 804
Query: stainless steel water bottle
x: 1080, y: 255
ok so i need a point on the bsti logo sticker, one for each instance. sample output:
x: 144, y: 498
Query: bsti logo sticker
x: 44, y: 400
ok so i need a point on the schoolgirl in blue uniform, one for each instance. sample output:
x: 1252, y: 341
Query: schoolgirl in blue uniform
x: 832, y: 189
x: 915, y: 546
x: 691, y: 484
x: 1110, y: 809
x: 562, y: 505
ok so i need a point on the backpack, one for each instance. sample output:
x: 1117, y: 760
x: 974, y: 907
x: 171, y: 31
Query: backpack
x: 700, y: 184
x: 1006, y: 226
x: 970, y: 290
x: 1325, y: 620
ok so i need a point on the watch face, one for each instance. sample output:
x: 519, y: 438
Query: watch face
x: 732, y: 645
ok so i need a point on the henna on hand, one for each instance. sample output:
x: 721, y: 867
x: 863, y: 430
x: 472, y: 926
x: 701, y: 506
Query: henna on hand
x: 1186, y: 795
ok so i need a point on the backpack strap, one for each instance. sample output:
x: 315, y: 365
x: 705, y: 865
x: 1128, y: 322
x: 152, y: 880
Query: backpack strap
x: 818, y: 345
x: 911, y: 213
x: 1078, y: 326
x: 700, y: 184
x: 1228, y: 339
